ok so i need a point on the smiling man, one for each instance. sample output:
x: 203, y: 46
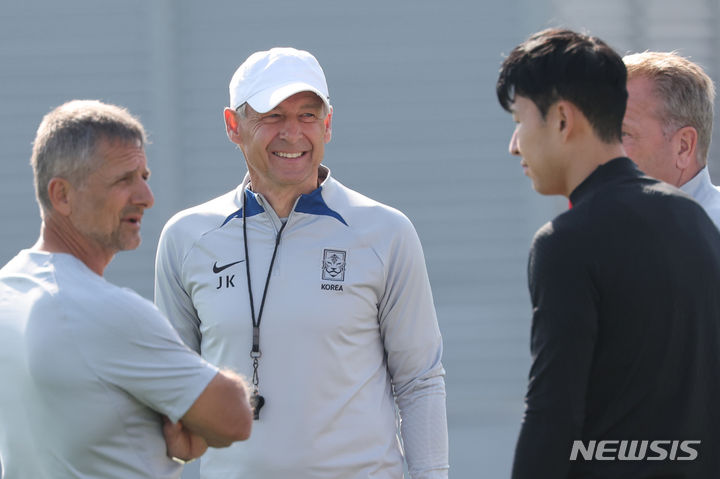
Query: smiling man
x: 89, y: 369
x: 625, y: 335
x: 318, y: 293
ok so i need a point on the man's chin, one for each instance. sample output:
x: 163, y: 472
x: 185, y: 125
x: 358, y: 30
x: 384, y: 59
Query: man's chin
x: 130, y: 244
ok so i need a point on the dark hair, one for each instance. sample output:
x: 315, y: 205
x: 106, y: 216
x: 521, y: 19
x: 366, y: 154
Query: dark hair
x: 558, y: 64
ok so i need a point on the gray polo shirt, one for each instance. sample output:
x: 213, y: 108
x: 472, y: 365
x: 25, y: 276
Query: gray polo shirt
x: 86, y: 369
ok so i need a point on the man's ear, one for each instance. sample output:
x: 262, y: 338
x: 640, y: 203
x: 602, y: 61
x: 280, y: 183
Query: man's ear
x: 684, y: 144
x: 59, y: 191
x: 232, y: 125
x: 328, y: 125
x: 563, y: 118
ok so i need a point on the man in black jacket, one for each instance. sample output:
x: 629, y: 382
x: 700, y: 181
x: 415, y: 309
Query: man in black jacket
x: 624, y: 286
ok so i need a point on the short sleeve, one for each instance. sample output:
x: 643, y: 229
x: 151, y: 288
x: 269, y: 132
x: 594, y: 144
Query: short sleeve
x: 134, y: 347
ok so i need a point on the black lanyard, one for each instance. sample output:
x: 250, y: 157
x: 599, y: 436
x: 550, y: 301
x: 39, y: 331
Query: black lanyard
x: 256, y: 400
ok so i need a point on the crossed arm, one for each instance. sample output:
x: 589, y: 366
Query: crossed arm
x: 220, y: 416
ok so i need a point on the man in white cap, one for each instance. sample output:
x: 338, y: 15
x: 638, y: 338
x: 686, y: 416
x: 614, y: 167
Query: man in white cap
x: 318, y: 293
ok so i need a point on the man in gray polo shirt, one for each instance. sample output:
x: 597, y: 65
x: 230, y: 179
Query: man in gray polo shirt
x: 88, y: 369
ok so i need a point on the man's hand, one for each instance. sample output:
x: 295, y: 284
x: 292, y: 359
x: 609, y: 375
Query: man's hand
x: 181, y: 443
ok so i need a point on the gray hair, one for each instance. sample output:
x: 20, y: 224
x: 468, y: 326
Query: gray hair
x: 67, y: 139
x: 687, y: 93
x: 242, y: 110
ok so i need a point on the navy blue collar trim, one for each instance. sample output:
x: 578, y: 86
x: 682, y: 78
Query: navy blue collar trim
x: 253, y: 208
x: 312, y: 203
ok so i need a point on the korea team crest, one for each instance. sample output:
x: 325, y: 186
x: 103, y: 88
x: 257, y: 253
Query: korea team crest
x: 334, y: 265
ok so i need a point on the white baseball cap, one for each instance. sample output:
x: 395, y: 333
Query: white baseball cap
x: 267, y: 78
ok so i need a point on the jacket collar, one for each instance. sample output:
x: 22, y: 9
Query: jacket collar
x: 312, y: 203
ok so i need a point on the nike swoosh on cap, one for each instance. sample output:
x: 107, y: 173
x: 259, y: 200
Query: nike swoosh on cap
x: 217, y: 269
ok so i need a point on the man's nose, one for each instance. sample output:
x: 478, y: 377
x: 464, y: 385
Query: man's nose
x: 513, y: 147
x: 291, y: 129
x: 143, y: 195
